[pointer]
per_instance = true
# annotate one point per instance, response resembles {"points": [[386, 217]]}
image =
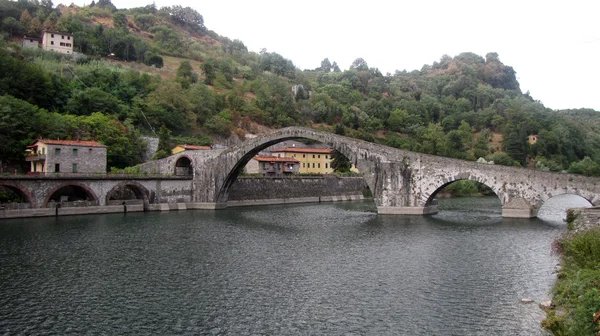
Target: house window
{"points": [[303, 155], [318, 165], [319, 156], [51, 35], [303, 165], [57, 151], [43, 150], [326, 166], [75, 152], [313, 165], [68, 37], [52, 42], [62, 37], [57, 167], [74, 167], [294, 155], [326, 157], [313, 156]]}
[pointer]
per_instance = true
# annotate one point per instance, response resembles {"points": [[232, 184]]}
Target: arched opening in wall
{"points": [[466, 200], [293, 168], [12, 198], [128, 193], [72, 196], [183, 166], [554, 210]]}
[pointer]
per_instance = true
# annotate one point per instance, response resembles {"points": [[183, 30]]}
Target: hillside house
{"points": [[533, 139], [59, 42], [66, 156], [31, 42]]}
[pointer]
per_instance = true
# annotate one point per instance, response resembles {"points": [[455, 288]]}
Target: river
{"points": [[318, 269]]}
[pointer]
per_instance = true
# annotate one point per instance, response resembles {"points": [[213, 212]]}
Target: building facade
{"points": [[272, 166], [312, 160], [66, 156], [31, 42], [181, 148], [59, 42]]}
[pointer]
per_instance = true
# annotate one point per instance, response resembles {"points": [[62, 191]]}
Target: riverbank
{"points": [[576, 293]]}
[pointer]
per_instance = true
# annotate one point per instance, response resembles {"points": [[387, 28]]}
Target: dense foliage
{"points": [[465, 106], [577, 290]]}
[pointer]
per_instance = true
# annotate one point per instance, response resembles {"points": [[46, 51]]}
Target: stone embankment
{"points": [[295, 189], [582, 219]]}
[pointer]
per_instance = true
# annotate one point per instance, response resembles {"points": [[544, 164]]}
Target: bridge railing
{"points": [[50, 176]]}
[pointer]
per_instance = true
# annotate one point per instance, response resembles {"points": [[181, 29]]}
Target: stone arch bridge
{"points": [[402, 182]]}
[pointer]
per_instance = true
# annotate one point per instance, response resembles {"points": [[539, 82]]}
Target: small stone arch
{"points": [[83, 189], [136, 188], [183, 166], [588, 196], [21, 191], [463, 177]]}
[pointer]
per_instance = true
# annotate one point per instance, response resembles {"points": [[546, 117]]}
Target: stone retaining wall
{"points": [[294, 187], [584, 219]]}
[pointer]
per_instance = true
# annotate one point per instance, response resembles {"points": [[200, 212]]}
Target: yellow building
{"points": [[181, 148], [312, 160]]}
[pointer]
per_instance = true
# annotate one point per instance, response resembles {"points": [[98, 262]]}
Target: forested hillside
{"points": [[144, 69]]}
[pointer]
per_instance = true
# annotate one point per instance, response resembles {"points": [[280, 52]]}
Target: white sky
{"points": [[554, 46]]}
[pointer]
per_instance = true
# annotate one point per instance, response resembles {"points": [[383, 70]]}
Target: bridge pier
{"points": [[391, 210], [519, 213]]}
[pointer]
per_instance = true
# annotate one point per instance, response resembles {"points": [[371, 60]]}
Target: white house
{"points": [[59, 42]]}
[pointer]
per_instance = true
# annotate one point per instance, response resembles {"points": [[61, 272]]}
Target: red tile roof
{"points": [[82, 143], [304, 150], [194, 147], [275, 159]]}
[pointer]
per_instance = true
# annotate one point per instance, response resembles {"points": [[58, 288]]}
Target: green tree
{"points": [[18, 121], [210, 73], [325, 65], [185, 74], [340, 163], [12, 25], [164, 143], [88, 101], [587, 167], [515, 143]]}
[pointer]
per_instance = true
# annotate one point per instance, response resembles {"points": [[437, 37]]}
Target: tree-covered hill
{"points": [[143, 68]]}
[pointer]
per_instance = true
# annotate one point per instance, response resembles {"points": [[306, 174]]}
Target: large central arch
{"points": [[232, 162]]}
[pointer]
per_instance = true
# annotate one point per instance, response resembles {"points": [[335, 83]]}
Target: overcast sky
{"points": [[554, 46]]}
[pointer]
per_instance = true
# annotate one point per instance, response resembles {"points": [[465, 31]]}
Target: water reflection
{"points": [[333, 269]]}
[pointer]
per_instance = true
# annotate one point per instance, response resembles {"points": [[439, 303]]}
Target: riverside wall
{"points": [[584, 219], [294, 189]]}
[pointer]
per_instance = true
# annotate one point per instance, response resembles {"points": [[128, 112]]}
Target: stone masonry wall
{"points": [[252, 188], [585, 218]]}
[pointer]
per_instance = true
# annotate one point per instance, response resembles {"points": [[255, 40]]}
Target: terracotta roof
{"points": [[275, 159], [194, 147], [305, 150], [67, 143]]}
